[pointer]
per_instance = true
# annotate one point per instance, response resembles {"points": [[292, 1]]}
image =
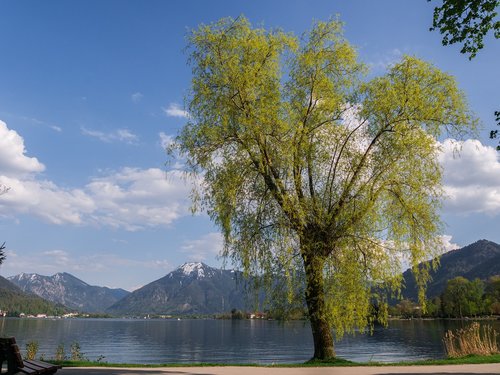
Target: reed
{"points": [[473, 339]]}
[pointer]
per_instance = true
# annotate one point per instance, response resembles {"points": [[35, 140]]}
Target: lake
{"points": [[223, 341]]}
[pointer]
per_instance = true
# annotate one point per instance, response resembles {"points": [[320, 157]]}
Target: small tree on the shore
{"points": [[312, 173]]}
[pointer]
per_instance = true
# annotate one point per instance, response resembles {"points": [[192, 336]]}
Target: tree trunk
{"points": [[315, 298]]}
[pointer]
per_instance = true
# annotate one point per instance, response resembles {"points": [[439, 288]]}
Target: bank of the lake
{"points": [[224, 341]]}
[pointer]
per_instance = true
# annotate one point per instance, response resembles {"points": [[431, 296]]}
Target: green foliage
{"points": [[237, 314], [31, 350], [433, 308], [468, 22], [312, 173], [76, 353], [60, 353], [15, 303], [463, 298]]}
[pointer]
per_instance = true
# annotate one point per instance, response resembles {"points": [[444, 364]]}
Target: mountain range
{"points": [[14, 301], [196, 288], [67, 290], [478, 260], [193, 288]]}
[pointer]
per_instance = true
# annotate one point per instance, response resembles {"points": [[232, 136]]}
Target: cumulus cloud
{"points": [[447, 243], [130, 198], [136, 97], [45, 200], [175, 110], [120, 135], [200, 249], [471, 177], [13, 160], [135, 198]]}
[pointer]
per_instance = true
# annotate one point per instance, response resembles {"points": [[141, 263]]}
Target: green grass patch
{"points": [[336, 362]]}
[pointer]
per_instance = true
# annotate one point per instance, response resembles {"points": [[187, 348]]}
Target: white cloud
{"points": [[87, 267], [382, 62], [131, 198], [447, 243], [200, 249], [56, 128], [13, 160], [136, 198], [471, 177], [174, 110], [166, 140], [121, 135], [45, 200], [136, 97]]}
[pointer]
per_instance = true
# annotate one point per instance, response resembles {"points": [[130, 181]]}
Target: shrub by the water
{"points": [[60, 353], [471, 340], [31, 350]]}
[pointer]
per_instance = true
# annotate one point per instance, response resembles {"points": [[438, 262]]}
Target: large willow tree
{"points": [[311, 172]]}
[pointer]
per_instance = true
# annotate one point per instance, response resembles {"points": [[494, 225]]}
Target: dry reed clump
{"points": [[471, 340]]}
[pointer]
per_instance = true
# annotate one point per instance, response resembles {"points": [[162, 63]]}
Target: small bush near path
{"points": [[31, 350], [471, 340]]}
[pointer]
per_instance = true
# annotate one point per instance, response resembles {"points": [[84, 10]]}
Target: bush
{"points": [[76, 353], [60, 353], [31, 350]]}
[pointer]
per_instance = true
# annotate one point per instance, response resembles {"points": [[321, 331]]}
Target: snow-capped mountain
{"points": [[68, 290], [193, 288]]}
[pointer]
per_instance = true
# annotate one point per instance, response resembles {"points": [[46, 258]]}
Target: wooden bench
{"points": [[9, 352]]}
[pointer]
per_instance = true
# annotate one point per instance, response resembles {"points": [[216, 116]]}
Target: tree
{"points": [[492, 295], [468, 22], [312, 173], [463, 297]]}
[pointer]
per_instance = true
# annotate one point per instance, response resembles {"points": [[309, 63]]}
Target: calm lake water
{"points": [[223, 341]]}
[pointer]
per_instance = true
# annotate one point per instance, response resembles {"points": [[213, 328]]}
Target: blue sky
{"points": [[90, 91]]}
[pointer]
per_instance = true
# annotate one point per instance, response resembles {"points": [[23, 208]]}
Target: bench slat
{"points": [[45, 367], [10, 351]]}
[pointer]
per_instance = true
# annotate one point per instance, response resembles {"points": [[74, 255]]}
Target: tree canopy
{"points": [[467, 22], [463, 297], [310, 171]]}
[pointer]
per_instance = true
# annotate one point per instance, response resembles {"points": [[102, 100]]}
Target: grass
{"points": [[337, 362]]}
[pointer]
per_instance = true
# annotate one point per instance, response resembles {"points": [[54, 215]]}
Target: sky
{"points": [[92, 91]]}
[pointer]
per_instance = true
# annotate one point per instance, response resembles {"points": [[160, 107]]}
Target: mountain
{"points": [[193, 288], [68, 290], [15, 301], [478, 260]]}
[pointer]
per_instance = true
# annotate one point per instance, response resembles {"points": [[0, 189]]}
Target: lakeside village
{"points": [[235, 314]]}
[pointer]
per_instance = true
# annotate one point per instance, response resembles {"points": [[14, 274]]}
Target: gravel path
{"points": [[484, 369]]}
